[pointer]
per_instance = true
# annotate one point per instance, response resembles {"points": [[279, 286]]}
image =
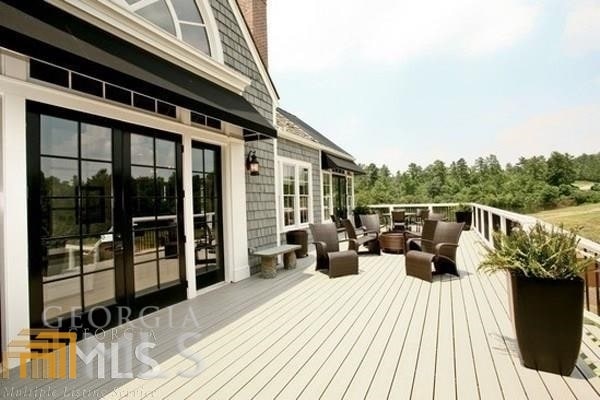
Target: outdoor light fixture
{"points": [[252, 163]]}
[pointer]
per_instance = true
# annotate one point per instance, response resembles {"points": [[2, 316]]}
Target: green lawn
{"points": [[586, 216]]}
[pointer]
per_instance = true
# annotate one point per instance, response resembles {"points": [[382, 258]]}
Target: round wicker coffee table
{"points": [[392, 242]]}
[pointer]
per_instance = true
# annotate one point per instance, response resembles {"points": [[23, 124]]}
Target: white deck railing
{"points": [[486, 221]]}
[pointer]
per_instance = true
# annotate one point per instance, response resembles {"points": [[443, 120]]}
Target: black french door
{"points": [[105, 208], [339, 196], [208, 223]]}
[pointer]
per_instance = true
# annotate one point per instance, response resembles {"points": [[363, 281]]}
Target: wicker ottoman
{"points": [[343, 263]]}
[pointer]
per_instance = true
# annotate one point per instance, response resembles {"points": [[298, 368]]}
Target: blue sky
{"points": [[396, 82]]}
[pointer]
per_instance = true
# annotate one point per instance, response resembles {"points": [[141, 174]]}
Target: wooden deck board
{"points": [[504, 345], [376, 335]]}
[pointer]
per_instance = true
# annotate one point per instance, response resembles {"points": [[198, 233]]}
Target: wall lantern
{"points": [[252, 164]]}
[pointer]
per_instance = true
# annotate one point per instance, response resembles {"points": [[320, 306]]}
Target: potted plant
{"points": [[464, 214], [547, 294]]}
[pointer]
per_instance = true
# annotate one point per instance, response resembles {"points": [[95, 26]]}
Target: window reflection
{"points": [[186, 17]]}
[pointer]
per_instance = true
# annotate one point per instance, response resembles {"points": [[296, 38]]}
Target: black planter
{"points": [[548, 318], [466, 217], [300, 237]]}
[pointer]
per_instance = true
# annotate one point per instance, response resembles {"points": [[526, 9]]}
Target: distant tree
{"points": [[561, 169], [531, 184]]}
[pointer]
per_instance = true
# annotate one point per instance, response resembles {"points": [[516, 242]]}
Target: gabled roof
{"points": [[306, 131]]}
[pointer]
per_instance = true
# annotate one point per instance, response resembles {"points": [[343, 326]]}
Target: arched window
{"points": [[181, 18]]}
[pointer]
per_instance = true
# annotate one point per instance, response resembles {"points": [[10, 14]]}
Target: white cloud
{"points": [[582, 27], [313, 34], [573, 130]]}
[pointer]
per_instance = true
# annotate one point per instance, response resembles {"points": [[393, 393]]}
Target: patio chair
{"points": [[423, 242], [338, 224], [422, 215], [370, 223], [441, 253], [370, 241], [398, 220], [329, 256]]}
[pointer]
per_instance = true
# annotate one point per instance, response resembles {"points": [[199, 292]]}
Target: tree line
{"points": [[530, 185]]}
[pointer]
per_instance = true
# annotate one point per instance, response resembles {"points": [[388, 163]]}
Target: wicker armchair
{"points": [[441, 251], [398, 220], [329, 255], [370, 223], [423, 242], [370, 241]]}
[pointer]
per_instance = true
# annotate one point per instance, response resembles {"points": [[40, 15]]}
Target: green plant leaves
{"points": [[548, 253]]}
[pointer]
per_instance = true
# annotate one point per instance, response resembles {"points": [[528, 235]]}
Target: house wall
{"points": [[237, 55], [260, 200], [260, 190]]}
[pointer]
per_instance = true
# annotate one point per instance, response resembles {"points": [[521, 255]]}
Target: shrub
{"points": [[538, 253]]}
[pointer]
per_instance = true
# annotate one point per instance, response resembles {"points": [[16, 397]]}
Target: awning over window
{"points": [[67, 41], [329, 161]]}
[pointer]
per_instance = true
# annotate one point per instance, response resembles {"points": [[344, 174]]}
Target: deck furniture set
{"points": [[429, 253]]}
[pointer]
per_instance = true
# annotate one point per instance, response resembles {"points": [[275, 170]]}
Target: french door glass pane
{"points": [[145, 245], [99, 288], [60, 176], [62, 258], [143, 181], [96, 215], [96, 178], [146, 277], [166, 181], [165, 153], [96, 142], [142, 150], [59, 217], [61, 297], [59, 137]]}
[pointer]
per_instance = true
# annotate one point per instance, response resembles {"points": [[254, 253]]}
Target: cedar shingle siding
{"points": [[260, 200], [260, 190], [237, 56]]}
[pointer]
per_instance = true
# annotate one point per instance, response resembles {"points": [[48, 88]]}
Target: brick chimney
{"points": [[255, 13]]}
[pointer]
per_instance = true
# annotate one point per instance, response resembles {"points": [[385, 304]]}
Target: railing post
{"points": [[503, 224], [491, 228]]}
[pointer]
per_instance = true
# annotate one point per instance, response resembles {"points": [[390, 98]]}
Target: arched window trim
{"points": [[209, 24], [135, 29]]}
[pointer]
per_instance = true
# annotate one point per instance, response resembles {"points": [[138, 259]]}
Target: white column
{"points": [[277, 203], [14, 285], [188, 212], [238, 237]]}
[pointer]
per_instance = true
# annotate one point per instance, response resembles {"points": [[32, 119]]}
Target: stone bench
{"points": [[269, 258]]}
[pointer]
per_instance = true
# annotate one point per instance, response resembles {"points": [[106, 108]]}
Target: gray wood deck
{"points": [[377, 335]]}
